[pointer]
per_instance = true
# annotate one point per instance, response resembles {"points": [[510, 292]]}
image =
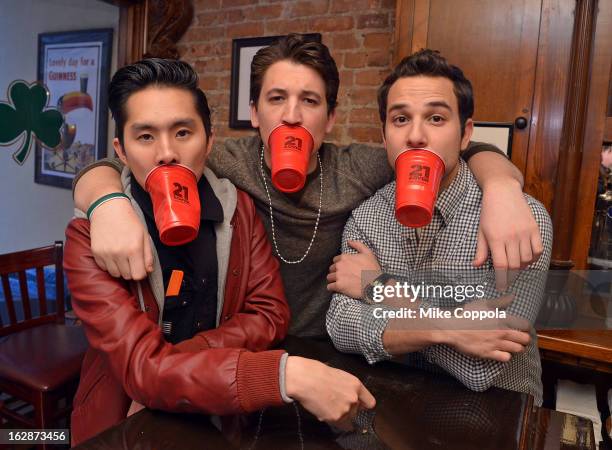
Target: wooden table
{"points": [[591, 349], [581, 355], [415, 410]]}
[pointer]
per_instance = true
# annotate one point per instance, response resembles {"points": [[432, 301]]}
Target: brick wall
{"points": [[359, 34]]}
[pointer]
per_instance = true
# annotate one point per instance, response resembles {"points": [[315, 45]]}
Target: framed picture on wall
{"points": [[75, 67], [243, 51], [498, 134]]}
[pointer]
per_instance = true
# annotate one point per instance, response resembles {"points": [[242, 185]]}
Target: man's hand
{"points": [[331, 395], [496, 339], [349, 273], [508, 230], [119, 241], [497, 345]]}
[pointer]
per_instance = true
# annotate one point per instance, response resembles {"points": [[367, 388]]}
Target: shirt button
{"points": [[198, 325], [228, 317], [236, 272], [147, 308]]}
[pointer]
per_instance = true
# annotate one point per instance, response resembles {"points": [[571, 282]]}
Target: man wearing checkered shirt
{"points": [[428, 103]]}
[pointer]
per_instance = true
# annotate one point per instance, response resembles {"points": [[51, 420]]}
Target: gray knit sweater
{"points": [[350, 175]]}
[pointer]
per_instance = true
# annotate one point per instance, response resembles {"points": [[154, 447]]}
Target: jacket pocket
{"points": [[84, 391]]}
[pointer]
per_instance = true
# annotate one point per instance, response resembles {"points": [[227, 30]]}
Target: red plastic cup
{"points": [[176, 203], [418, 174], [291, 147]]}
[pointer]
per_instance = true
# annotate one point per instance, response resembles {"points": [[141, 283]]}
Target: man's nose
{"points": [[292, 113], [417, 137], [166, 153]]}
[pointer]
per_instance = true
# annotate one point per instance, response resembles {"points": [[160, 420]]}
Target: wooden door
{"points": [[495, 43], [547, 61], [501, 45]]}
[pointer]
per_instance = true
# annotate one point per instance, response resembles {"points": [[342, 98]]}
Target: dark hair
{"points": [[154, 72], [296, 48], [430, 63]]}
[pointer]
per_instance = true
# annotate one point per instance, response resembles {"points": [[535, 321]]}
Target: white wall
{"points": [[32, 214]]}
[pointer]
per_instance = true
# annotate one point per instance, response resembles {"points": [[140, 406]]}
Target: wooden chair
{"points": [[40, 357]]}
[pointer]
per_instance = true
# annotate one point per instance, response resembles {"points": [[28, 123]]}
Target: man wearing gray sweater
{"points": [[295, 82]]}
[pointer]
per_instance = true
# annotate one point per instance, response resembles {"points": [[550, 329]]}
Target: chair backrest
{"points": [[18, 262]]}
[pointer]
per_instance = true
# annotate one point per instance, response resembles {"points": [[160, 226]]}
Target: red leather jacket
{"points": [[219, 371]]}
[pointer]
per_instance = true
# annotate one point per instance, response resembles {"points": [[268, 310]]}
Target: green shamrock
{"points": [[24, 114]]}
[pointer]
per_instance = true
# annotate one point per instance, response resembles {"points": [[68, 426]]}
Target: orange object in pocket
{"points": [[174, 285]]}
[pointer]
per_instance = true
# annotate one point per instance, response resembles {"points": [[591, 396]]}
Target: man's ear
{"points": [[467, 134], [120, 151], [331, 120], [209, 144], [254, 118]]}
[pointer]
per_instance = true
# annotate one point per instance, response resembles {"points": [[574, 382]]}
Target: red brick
{"points": [[235, 15], [215, 98], [204, 34], [378, 59], [280, 27], [222, 109], [219, 48], [253, 29], [388, 5], [341, 116], [195, 34], [213, 65], [264, 12], [343, 93], [371, 77], [308, 8], [201, 5], [346, 78], [338, 23], [355, 60], [364, 115], [211, 18], [373, 21], [224, 83], [209, 83], [343, 6], [335, 134], [366, 134], [344, 41], [363, 96], [379, 41], [234, 3]]}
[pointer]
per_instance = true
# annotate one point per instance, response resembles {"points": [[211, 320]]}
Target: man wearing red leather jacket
{"points": [[204, 346]]}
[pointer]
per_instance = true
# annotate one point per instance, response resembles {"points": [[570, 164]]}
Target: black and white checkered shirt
{"points": [[446, 246]]}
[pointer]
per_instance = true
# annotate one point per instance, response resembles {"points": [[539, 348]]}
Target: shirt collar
{"points": [[211, 209], [450, 199]]}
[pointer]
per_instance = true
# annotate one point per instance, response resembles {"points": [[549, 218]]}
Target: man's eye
{"points": [[437, 119], [145, 137], [399, 120], [276, 99], [183, 133], [311, 101]]}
